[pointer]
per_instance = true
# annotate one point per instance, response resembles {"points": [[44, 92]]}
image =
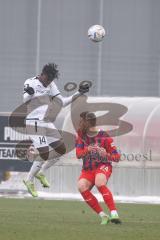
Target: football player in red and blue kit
{"points": [[96, 149]]}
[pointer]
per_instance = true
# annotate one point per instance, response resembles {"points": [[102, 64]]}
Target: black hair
{"points": [[51, 71]]}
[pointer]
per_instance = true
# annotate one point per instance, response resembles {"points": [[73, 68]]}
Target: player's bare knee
{"points": [[99, 183], [44, 156], [100, 180], [44, 153], [82, 186], [61, 149]]}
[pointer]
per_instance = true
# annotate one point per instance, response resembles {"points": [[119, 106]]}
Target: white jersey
{"points": [[39, 101]]}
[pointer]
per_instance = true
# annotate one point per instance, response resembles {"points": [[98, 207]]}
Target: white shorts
{"points": [[42, 133]]}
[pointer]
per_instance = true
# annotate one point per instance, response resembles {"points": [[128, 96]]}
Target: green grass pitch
{"points": [[34, 219]]}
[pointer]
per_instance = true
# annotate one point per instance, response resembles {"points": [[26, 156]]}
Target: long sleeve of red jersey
{"points": [[112, 153], [81, 149]]}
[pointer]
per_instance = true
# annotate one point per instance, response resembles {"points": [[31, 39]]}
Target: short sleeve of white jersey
{"points": [[54, 91]]}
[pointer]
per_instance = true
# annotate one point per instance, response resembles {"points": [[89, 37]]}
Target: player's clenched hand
{"points": [[101, 151], [91, 148], [84, 88], [29, 90]]}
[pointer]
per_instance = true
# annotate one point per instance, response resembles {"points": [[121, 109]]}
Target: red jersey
{"points": [[91, 160]]}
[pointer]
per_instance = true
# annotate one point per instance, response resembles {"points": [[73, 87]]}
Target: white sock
{"points": [[102, 214], [114, 212], [47, 164], [34, 170]]}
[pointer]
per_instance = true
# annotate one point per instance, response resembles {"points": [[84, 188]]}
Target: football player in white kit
{"points": [[38, 93]]}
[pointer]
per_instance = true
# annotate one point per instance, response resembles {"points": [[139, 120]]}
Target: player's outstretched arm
{"points": [[83, 88], [67, 100]]}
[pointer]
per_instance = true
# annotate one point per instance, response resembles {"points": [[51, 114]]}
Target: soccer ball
{"points": [[96, 33]]}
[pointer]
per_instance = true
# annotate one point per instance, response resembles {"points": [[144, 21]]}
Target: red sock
{"points": [[92, 201], [107, 196]]}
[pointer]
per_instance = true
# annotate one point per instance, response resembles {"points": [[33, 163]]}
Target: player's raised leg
{"points": [[43, 155], [58, 149], [41, 174], [29, 181]]}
